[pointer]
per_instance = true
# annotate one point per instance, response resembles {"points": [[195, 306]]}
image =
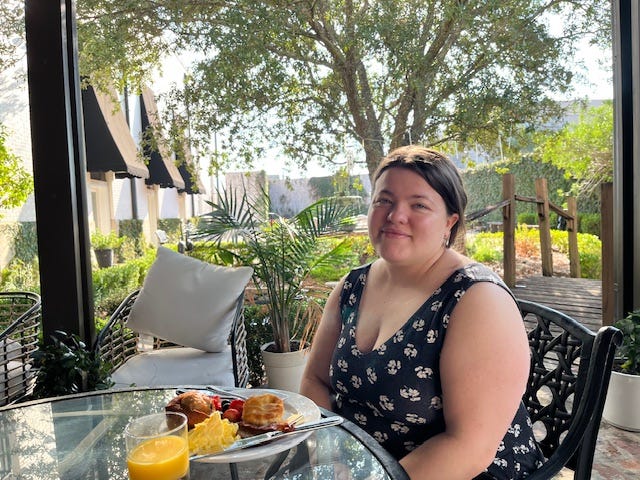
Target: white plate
{"points": [[294, 404]]}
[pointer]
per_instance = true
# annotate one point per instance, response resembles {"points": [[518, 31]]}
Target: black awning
{"points": [[109, 144], [193, 184], [162, 170]]}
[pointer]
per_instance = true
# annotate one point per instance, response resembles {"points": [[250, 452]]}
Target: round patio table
{"points": [[81, 437]]}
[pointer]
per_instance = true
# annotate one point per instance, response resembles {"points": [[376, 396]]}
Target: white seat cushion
{"points": [[10, 349], [176, 366], [16, 372]]}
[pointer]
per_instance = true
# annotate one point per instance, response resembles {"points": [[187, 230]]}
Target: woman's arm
{"points": [[315, 380], [484, 368]]}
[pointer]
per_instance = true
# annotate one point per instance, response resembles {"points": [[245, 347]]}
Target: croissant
{"points": [[195, 405]]}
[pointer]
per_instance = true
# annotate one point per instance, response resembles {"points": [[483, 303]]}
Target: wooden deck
{"points": [[580, 298]]}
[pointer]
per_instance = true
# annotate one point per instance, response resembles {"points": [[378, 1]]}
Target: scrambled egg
{"points": [[212, 435]]}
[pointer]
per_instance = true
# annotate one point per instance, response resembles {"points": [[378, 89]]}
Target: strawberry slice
{"points": [[237, 404], [232, 415]]}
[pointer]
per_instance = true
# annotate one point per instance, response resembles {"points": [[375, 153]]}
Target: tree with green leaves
{"points": [[584, 150], [15, 182], [11, 32], [310, 77]]}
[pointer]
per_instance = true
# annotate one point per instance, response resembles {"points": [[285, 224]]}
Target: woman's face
{"points": [[407, 218]]}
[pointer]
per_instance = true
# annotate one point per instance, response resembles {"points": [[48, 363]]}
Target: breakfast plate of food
{"points": [[245, 424]]}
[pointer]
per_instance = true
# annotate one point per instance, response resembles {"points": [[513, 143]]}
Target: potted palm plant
{"points": [[623, 397], [282, 252]]}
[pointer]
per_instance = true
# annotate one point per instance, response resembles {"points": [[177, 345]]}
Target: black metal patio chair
{"points": [[20, 323], [567, 387], [116, 343]]}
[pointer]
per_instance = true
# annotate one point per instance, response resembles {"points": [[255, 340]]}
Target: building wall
{"points": [[288, 196]]}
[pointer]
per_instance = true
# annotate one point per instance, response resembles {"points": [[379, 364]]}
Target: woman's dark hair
{"points": [[437, 170]]}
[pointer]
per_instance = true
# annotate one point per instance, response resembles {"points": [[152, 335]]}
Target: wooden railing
{"points": [[544, 207]]}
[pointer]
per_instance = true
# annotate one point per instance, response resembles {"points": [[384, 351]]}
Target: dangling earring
{"points": [[445, 239]]}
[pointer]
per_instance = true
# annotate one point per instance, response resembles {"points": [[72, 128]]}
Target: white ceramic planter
{"points": [[622, 407], [284, 370]]}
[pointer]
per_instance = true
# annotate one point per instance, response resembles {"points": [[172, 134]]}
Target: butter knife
{"points": [[269, 436]]}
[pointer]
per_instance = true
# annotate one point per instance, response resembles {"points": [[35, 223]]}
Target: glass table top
{"points": [[80, 437]]}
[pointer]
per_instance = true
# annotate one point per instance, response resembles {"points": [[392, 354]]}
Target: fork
{"points": [[212, 389], [226, 393]]}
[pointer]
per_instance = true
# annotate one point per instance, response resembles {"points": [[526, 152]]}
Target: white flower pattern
{"points": [[393, 366], [402, 374]]}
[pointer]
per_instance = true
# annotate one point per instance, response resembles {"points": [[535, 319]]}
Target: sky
{"points": [[599, 86]]}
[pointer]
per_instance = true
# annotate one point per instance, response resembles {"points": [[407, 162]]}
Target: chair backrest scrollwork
{"points": [[567, 387], [20, 325]]}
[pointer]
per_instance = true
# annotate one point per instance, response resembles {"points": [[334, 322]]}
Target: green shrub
{"points": [[485, 247], [134, 245], [172, 227], [101, 241], [362, 252], [486, 254], [258, 333], [590, 252], [527, 218], [20, 276], [25, 242], [589, 223], [111, 285], [488, 247]]}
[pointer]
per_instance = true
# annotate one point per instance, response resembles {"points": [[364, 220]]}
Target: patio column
{"points": [[59, 168], [626, 182]]}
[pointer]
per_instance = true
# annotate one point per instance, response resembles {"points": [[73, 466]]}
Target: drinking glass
{"points": [[158, 447]]}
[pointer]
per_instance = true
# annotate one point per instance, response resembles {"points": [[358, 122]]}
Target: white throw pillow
{"points": [[188, 302]]}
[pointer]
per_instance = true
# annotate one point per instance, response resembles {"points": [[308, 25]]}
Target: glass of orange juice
{"points": [[157, 447]]}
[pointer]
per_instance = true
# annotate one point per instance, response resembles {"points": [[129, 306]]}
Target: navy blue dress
{"points": [[394, 392]]}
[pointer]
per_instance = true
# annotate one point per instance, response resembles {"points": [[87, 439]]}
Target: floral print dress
{"points": [[394, 391]]}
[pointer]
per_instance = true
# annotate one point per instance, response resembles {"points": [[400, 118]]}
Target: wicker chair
{"points": [[116, 343], [20, 321], [567, 387]]}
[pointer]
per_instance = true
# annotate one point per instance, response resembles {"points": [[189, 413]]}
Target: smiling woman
{"points": [[411, 347]]}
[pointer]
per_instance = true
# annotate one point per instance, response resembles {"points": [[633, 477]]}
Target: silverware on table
{"points": [[269, 436], [210, 389]]}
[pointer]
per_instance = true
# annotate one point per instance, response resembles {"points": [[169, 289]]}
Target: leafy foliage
{"points": [[484, 185], [311, 77], [488, 247], [282, 252], [111, 285], [589, 223], [15, 182], [584, 150], [630, 349], [485, 248], [258, 333], [20, 276], [67, 366], [101, 241], [528, 218], [11, 30], [134, 245]]}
